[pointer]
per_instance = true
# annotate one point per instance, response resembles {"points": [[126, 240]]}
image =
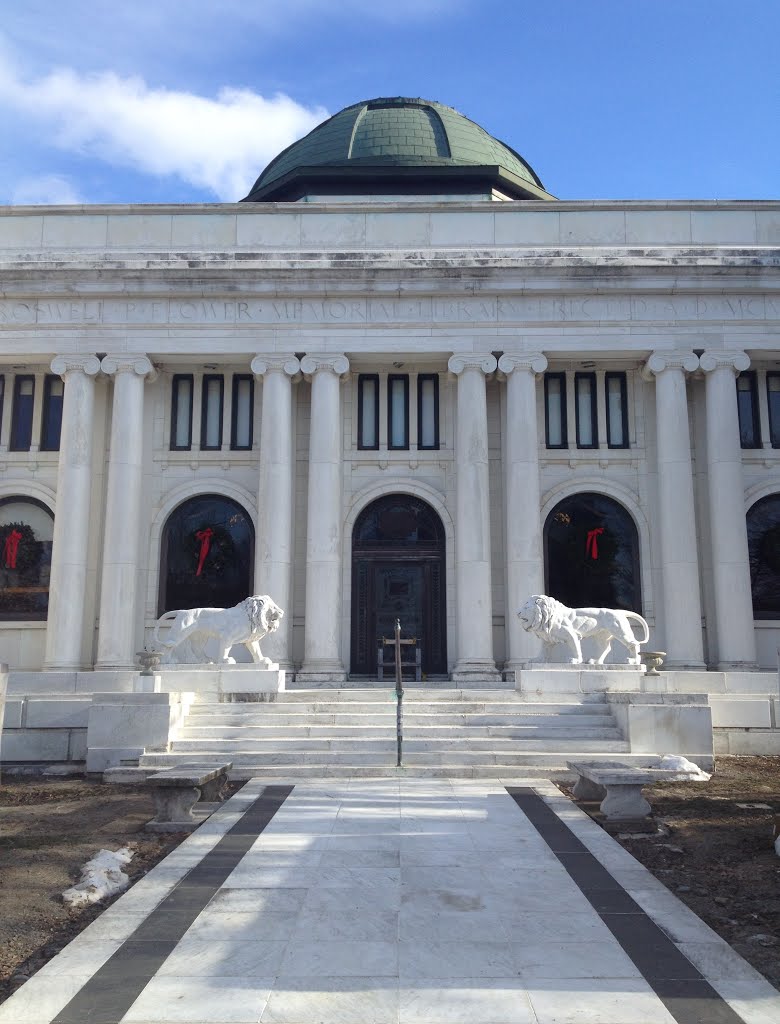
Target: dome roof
{"points": [[396, 145]]}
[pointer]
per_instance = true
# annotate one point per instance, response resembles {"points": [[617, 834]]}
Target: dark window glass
{"points": [[181, 412], [585, 410], [368, 411], [747, 405], [51, 421], [428, 411], [398, 520], [763, 531], [207, 555], [773, 401], [211, 412], [397, 411], [592, 554], [555, 426], [2, 398], [22, 413], [615, 391], [242, 412], [26, 532]]}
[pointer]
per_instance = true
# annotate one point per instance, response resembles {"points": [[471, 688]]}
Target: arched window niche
{"points": [[26, 532], [591, 550], [763, 531], [207, 554]]}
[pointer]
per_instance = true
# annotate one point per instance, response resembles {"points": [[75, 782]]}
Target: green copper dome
{"points": [[397, 145]]}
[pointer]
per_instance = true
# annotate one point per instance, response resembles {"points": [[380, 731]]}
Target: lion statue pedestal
{"points": [[566, 628]]}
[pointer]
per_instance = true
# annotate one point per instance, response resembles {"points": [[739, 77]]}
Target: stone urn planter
{"points": [[653, 661]]}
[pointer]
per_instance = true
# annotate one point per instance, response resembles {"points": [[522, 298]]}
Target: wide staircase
{"points": [[352, 732]]}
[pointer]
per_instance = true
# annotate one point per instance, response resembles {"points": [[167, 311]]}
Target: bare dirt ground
{"points": [[715, 855], [48, 830], [715, 852]]}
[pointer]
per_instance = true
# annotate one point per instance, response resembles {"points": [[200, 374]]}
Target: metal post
{"points": [[399, 691]]}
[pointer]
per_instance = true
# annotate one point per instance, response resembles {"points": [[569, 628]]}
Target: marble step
{"points": [[509, 735], [250, 722], [265, 711]]}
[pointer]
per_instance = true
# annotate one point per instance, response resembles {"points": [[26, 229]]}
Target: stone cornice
{"points": [[64, 364], [337, 364], [472, 361], [276, 363], [532, 362], [736, 361], [138, 364]]}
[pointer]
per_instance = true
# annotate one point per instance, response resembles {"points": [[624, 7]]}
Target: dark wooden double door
{"points": [[402, 580]]}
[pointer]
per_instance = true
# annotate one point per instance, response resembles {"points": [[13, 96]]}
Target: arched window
{"points": [[592, 554], [26, 532], [207, 554], [763, 530]]}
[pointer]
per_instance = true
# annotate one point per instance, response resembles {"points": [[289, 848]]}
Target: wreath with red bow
{"points": [[20, 551]]}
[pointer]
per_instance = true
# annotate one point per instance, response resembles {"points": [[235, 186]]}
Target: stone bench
{"points": [[619, 786], [178, 790]]}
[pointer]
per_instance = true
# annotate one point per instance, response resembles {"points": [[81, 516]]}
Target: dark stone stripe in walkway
{"points": [[688, 997], [113, 989]]}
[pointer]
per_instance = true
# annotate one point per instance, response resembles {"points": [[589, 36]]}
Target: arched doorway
{"points": [[398, 548], [207, 554], [763, 530], [591, 551]]}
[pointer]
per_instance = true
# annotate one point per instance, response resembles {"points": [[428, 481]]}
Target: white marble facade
{"points": [[681, 297]]}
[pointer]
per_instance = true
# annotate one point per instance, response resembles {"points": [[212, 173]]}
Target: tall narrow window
{"points": [[241, 412], [181, 412], [747, 405], [585, 410], [22, 413], [555, 410], [397, 411], [617, 410], [773, 401], [368, 411], [211, 412], [51, 421], [428, 411], [2, 398]]}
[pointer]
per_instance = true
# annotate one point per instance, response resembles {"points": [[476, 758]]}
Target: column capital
{"points": [[277, 362], [675, 360], [472, 361], [337, 364], [138, 364], [737, 362], [531, 362], [61, 365]]}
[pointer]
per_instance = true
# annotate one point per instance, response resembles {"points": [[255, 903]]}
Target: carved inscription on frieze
{"points": [[483, 310]]}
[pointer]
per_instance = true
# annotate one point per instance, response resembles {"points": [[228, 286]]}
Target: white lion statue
{"points": [[196, 634], [554, 623]]}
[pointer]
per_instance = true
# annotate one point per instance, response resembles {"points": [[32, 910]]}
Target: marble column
{"points": [[735, 639], [474, 599], [680, 593], [523, 526], [68, 581], [274, 538], [324, 611], [122, 537]]}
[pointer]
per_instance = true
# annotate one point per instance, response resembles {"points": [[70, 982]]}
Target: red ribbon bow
{"points": [[11, 549], [204, 536], [592, 542]]}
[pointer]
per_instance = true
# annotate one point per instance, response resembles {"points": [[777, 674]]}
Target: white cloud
{"points": [[45, 189], [219, 144]]}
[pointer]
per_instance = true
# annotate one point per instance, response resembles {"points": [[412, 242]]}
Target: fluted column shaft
{"points": [[274, 540], [524, 553], [679, 551], [68, 581], [122, 538], [322, 660], [736, 642], [474, 604]]}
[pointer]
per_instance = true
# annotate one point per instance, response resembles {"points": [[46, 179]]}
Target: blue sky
{"points": [[187, 100]]}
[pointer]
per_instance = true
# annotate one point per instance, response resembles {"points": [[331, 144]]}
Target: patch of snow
{"points": [[677, 763], [100, 877]]}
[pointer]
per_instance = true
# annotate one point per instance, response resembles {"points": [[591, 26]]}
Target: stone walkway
{"points": [[413, 901]]}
